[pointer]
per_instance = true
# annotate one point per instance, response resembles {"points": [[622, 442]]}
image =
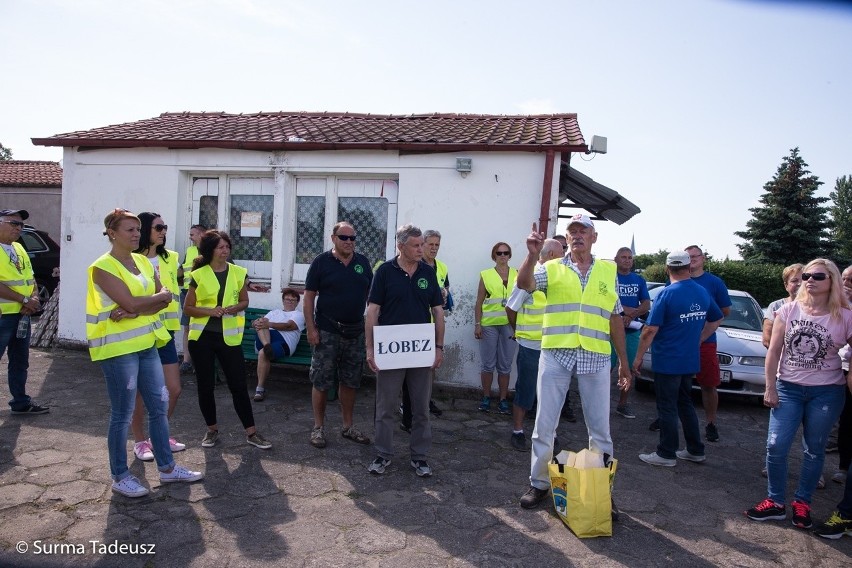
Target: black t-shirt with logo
{"points": [[341, 289], [404, 299]]}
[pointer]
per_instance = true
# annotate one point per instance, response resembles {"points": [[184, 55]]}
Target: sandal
{"points": [[352, 434]]}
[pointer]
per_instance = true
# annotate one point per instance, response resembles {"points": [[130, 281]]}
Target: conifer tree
{"points": [[791, 225], [841, 220]]}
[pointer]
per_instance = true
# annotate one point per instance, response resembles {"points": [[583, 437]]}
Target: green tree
{"points": [[5, 153], [643, 261], [841, 219], [792, 224]]}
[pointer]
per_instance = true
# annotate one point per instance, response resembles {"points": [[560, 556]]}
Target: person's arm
{"points": [[616, 333], [308, 301], [767, 332], [119, 293], [32, 305], [709, 329], [438, 317], [370, 321], [649, 332], [773, 357], [477, 309], [535, 242]]}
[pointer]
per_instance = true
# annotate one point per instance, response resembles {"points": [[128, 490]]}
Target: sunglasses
{"points": [[502, 253], [161, 228], [818, 276], [346, 237], [14, 223]]}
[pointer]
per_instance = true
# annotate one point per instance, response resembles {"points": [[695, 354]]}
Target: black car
{"points": [[44, 255]]}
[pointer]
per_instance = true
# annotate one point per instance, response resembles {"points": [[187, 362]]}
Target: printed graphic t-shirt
{"points": [[811, 344]]}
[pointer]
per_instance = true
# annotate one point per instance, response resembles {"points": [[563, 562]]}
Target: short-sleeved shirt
{"points": [[632, 291], [774, 307], [341, 289], [290, 336], [680, 312], [405, 299], [718, 292], [810, 355]]}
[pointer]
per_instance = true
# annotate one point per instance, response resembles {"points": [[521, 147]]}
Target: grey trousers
{"points": [[388, 387]]}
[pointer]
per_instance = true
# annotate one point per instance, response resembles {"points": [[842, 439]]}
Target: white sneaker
{"points": [[180, 474], [685, 455], [654, 459], [129, 487], [143, 451], [176, 446]]}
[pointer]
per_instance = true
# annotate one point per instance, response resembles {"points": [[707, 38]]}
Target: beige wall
{"points": [[42, 203]]}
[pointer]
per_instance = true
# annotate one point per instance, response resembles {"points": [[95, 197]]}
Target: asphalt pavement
{"points": [[296, 505]]}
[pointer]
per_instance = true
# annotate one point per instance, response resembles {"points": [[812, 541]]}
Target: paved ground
{"points": [[299, 506]]}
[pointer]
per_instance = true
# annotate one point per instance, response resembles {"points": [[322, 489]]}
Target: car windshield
{"points": [[745, 314]]}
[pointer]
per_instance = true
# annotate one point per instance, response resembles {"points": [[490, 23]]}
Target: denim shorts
{"points": [[527, 363], [168, 352]]}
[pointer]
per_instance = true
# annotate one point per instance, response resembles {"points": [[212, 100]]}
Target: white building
{"points": [[279, 181]]}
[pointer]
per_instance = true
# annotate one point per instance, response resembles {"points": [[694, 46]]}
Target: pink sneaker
{"points": [[176, 446], [143, 451]]}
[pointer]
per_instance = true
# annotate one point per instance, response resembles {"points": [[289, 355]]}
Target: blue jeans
{"points": [[527, 363], [18, 350], [674, 401], [816, 408], [124, 374], [552, 386]]}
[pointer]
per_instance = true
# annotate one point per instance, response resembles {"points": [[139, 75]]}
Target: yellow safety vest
{"points": [[494, 306], [19, 277], [206, 296], [441, 272], [168, 278], [189, 257], [576, 316], [531, 318], [108, 338]]}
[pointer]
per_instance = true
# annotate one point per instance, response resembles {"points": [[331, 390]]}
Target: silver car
{"points": [[739, 347]]}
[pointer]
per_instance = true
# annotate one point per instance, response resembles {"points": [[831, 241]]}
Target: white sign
{"points": [[250, 222], [404, 346]]}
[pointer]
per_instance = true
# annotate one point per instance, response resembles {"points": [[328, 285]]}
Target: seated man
{"points": [[278, 334]]}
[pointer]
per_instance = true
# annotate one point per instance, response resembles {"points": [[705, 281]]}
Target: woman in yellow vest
{"points": [[492, 329], [152, 245], [216, 303], [189, 256], [123, 331]]}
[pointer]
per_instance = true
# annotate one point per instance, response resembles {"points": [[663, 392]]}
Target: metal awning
{"points": [[577, 190]]}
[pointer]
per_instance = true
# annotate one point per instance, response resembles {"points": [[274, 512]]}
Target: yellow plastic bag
{"points": [[582, 492]]}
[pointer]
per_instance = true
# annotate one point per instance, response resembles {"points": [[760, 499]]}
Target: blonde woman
{"points": [[123, 331], [804, 387]]}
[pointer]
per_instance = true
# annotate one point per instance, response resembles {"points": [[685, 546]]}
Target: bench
{"points": [[300, 358]]}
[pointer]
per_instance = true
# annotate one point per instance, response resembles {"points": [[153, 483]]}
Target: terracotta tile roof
{"points": [[340, 131], [25, 173]]}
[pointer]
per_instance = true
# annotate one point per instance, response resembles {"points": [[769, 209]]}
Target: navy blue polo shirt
{"points": [[405, 299], [341, 289]]}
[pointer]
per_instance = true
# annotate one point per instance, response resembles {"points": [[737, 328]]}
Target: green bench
{"points": [[300, 358]]}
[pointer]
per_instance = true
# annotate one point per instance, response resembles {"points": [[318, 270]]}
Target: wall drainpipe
{"points": [[544, 217]]}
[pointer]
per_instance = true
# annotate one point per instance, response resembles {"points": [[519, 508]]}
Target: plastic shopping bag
{"points": [[582, 488]]}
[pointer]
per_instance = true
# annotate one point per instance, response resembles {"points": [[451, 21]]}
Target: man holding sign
{"points": [[404, 293]]}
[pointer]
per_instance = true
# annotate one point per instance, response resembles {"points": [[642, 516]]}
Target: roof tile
{"points": [[27, 173], [311, 131]]}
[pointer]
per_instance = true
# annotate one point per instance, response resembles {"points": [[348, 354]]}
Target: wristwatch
{"points": [[26, 300]]}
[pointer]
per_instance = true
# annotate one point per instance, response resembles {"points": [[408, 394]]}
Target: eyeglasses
{"points": [[346, 237], [502, 253], [291, 299], [695, 256], [818, 276], [161, 228], [14, 223]]}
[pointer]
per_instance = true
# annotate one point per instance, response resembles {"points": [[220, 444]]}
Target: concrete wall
{"points": [[42, 203], [497, 201]]}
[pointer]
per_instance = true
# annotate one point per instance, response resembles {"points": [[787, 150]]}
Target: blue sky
{"points": [[700, 100]]}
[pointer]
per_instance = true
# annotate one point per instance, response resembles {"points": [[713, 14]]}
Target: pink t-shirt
{"points": [[811, 343]]}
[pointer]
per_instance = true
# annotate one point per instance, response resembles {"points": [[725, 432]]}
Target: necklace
{"points": [[127, 263]]}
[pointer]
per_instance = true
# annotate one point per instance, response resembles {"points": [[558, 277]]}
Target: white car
{"points": [[739, 347]]}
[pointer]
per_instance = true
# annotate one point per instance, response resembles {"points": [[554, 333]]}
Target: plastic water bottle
{"points": [[23, 327]]}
